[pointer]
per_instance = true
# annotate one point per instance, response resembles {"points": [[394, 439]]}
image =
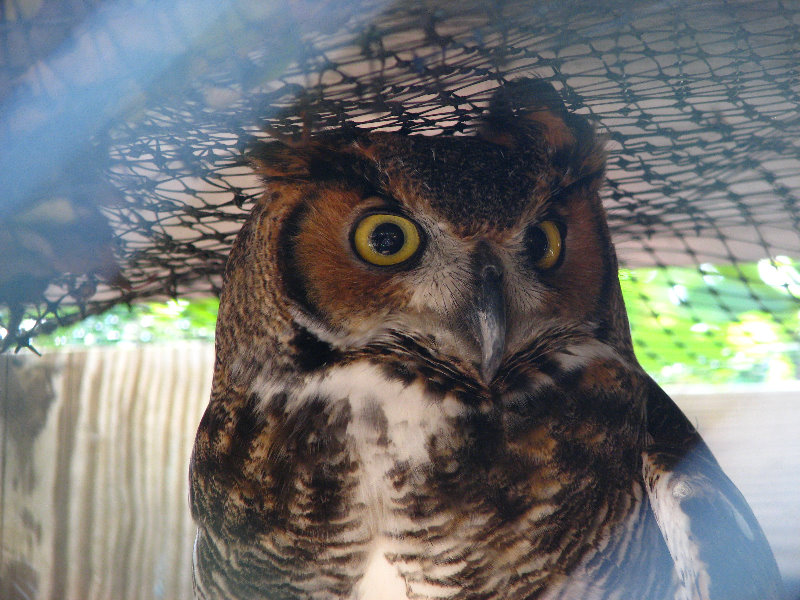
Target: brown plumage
{"points": [[425, 386]]}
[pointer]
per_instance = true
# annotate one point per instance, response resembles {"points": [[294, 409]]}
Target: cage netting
{"points": [[124, 125]]}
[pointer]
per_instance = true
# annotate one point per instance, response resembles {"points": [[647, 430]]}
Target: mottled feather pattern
{"points": [[467, 423], [510, 491]]}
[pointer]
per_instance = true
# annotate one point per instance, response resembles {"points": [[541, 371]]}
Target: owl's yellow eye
{"points": [[386, 239], [544, 244]]}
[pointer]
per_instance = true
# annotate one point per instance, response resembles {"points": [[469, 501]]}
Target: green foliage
{"points": [[706, 324], [716, 324], [140, 323]]}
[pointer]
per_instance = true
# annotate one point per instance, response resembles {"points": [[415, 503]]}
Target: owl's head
{"points": [[480, 246]]}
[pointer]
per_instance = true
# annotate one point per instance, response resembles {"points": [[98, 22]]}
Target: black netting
{"points": [[133, 117]]}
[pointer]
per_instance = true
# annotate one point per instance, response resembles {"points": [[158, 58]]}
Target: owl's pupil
{"points": [[536, 243], [387, 239]]}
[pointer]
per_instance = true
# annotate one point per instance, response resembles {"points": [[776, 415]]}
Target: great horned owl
{"points": [[425, 386]]}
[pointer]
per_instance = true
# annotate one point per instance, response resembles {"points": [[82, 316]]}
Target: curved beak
{"points": [[489, 320]]}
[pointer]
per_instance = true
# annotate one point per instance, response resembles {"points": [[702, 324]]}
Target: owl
{"points": [[425, 386]]}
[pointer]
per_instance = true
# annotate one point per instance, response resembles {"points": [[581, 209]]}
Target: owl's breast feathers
{"points": [[531, 490], [468, 492]]}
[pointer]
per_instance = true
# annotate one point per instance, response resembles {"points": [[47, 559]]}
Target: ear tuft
{"points": [[281, 160], [538, 104], [530, 111], [315, 158], [329, 158]]}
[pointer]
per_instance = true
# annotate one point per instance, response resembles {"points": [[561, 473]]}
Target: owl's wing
{"points": [[713, 537]]}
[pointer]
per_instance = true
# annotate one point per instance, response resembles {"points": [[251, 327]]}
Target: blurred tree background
{"points": [[698, 324]]}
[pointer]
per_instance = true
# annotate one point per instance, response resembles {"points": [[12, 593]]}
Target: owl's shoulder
{"points": [[715, 541]]}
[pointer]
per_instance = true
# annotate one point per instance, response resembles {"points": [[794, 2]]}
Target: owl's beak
{"points": [[489, 322]]}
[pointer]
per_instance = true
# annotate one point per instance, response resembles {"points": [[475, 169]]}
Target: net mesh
{"points": [[132, 118]]}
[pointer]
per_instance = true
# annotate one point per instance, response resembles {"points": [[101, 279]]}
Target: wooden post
{"points": [[93, 458]]}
